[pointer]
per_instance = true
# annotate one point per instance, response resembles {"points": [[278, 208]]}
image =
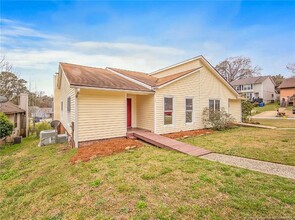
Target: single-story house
{"points": [[259, 87], [287, 90], [17, 117], [95, 103]]}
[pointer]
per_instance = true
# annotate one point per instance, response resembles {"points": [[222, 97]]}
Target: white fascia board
{"points": [[63, 73], [174, 65], [116, 90], [168, 83], [219, 76], [129, 78]]}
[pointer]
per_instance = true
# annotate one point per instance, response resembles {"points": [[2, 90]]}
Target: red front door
{"points": [[129, 121]]}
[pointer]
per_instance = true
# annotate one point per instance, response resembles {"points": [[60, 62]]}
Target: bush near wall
{"points": [[246, 110], [217, 120], [6, 127], [41, 126]]}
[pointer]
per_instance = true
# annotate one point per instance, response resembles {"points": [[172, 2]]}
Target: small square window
{"points": [[69, 104], [188, 110], [168, 111]]}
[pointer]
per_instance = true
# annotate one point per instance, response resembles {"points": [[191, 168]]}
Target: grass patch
{"points": [[279, 123], [147, 183], [96, 183], [262, 144], [267, 107]]}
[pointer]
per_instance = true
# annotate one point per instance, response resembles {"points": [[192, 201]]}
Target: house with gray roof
{"points": [[260, 87]]}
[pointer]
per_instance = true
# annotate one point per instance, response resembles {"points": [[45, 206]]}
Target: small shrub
{"points": [[41, 126], [246, 110], [96, 183], [6, 127], [217, 120], [141, 205], [148, 176], [255, 104]]}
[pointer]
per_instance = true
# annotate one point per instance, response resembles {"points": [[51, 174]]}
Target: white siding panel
{"points": [[202, 86], [235, 109], [187, 66], [101, 115], [145, 111], [65, 92]]}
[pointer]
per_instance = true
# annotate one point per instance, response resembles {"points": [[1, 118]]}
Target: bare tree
{"points": [[240, 67], [278, 79], [5, 66], [291, 67]]}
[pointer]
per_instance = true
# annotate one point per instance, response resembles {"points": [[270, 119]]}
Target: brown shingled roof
{"points": [[97, 77], [288, 83], [151, 80], [249, 80], [139, 76], [10, 108]]}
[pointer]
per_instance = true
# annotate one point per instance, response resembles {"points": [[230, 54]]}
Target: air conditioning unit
{"points": [[62, 138], [47, 137]]}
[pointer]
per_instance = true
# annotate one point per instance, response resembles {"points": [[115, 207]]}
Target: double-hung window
{"points": [[214, 106], [188, 110], [168, 110], [69, 109]]}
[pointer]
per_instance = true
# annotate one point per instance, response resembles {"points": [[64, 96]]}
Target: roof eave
{"points": [[111, 89]]}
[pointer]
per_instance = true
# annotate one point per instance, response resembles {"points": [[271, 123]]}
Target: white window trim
{"points": [[214, 102], [61, 110], [173, 110], [193, 111], [68, 113]]}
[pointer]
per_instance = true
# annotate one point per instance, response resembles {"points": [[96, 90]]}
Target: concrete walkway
{"points": [[255, 125], [256, 165]]}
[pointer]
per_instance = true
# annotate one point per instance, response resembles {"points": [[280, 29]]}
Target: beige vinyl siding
{"points": [[11, 117], [202, 86], [235, 109], [187, 66], [133, 110], [145, 112], [101, 114], [179, 90], [56, 105], [65, 92]]}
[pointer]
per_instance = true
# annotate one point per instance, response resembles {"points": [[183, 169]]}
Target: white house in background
{"points": [[262, 87]]}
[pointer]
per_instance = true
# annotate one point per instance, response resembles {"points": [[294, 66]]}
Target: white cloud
{"points": [[37, 60]]}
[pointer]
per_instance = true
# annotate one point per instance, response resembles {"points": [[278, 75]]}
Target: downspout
{"points": [[76, 119]]}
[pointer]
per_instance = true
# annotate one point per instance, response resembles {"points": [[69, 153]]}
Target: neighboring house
{"points": [[287, 90], [260, 87], [42, 113], [95, 103], [17, 116]]}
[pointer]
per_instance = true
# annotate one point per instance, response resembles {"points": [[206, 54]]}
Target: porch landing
{"points": [[167, 143]]}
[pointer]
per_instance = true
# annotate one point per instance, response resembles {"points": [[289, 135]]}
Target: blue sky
{"points": [[143, 35]]}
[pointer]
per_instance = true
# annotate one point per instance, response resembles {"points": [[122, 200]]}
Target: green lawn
{"points": [[268, 107], [262, 144], [145, 183], [279, 123]]}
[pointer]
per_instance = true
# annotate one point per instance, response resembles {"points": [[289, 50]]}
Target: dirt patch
{"points": [[104, 148], [183, 134]]}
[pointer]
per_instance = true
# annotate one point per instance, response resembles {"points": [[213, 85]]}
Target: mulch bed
{"points": [[183, 134], [103, 148]]}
